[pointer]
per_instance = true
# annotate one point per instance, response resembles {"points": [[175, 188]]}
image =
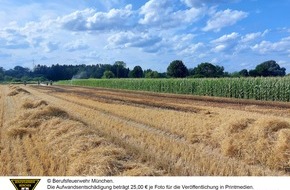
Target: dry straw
{"points": [[45, 140]]}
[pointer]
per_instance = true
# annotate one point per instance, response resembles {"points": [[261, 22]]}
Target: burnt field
{"points": [[62, 130]]}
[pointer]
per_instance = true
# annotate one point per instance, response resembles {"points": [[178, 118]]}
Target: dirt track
{"points": [[173, 101], [158, 134]]}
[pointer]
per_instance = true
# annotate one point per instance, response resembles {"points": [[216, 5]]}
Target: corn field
{"points": [[269, 89]]}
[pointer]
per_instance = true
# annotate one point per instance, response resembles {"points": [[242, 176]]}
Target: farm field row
{"points": [[259, 88], [63, 130]]}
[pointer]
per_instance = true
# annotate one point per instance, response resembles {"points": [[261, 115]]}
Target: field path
{"points": [[1, 114], [146, 127], [2, 98], [8, 111], [186, 103]]}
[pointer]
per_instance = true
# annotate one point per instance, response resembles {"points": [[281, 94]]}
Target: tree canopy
{"points": [[137, 72], [119, 69], [208, 70], [151, 74], [1, 74], [244, 73], [177, 69], [270, 68], [108, 75]]}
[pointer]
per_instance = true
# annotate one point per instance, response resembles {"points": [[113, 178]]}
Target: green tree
{"points": [[151, 74], [270, 68], [244, 73], [119, 69], [208, 70], [177, 69], [253, 73], [1, 74], [1, 77], [18, 72], [137, 72], [219, 71], [8, 78], [108, 75]]}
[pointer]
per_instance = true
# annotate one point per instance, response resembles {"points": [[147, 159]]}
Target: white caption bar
{"points": [[153, 183]]}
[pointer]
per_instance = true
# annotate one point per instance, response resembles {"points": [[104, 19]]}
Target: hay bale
{"points": [[15, 91], [31, 105]]}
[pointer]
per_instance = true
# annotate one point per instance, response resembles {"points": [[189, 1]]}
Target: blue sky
{"points": [[236, 34]]}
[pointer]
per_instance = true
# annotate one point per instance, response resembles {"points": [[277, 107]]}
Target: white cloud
{"points": [[89, 19], [181, 42], [76, 46], [225, 43], [77, 20], [198, 3], [280, 47], [244, 43], [156, 12], [224, 18], [253, 36], [11, 38], [193, 49], [38, 32], [226, 38], [161, 13], [219, 48], [189, 15], [23, 12], [115, 18], [129, 39], [236, 43], [50, 46], [31, 35]]}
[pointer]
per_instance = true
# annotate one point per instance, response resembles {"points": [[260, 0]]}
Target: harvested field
{"points": [[59, 130]]}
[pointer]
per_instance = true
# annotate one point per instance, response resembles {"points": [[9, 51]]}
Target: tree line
{"points": [[176, 69]]}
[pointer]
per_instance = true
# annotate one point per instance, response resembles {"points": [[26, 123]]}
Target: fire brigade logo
{"points": [[25, 184]]}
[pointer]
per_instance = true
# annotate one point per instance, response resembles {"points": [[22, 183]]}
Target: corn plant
{"points": [[268, 89]]}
